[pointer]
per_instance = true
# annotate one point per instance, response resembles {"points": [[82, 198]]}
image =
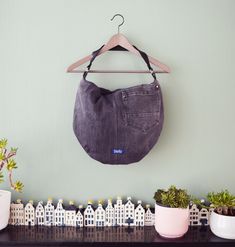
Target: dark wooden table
{"points": [[108, 236]]}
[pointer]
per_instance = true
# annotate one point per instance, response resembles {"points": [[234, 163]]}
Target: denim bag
{"points": [[120, 126]]}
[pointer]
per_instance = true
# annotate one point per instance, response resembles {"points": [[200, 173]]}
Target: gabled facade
{"points": [[79, 217], [139, 215], [49, 213], [194, 215], [16, 213], [70, 214], [29, 214], [210, 211], [100, 216], [40, 214], [149, 217], [119, 212], [129, 213], [109, 214], [204, 217], [59, 214], [89, 215]]}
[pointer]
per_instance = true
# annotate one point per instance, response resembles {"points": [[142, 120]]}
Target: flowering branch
{"points": [[9, 163]]}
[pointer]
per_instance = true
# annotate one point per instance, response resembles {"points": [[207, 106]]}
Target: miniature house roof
{"points": [[71, 208], [18, 201]]}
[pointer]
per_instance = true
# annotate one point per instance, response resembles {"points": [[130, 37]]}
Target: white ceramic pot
{"points": [[5, 201], [171, 222], [222, 226]]}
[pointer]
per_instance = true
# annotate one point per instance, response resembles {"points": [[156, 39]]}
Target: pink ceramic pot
{"points": [[5, 200], [171, 222]]}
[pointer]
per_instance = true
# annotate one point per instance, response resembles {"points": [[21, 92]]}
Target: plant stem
{"points": [[10, 179]]}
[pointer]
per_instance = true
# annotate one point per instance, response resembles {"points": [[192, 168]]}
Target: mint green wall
{"points": [[39, 39]]}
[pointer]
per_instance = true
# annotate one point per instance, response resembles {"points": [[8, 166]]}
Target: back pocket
{"points": [[143, 121]]}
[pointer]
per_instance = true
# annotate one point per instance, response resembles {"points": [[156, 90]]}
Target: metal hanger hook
{"points": [[123, 20]]}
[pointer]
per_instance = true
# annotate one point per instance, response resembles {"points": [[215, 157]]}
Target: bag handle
{"points": [[143, 55]]}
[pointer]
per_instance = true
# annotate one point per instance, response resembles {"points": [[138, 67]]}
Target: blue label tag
{"points": [[117, 151]]}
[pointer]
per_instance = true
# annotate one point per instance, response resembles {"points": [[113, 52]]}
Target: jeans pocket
{"points": [[143, 121]]}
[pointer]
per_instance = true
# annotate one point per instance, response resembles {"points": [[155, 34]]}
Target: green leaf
{"points": [[18, 186], [14, 150], [3, 143], [1, 177], [11, 164], [2, 156]]}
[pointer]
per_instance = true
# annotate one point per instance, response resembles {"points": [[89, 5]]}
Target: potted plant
{"points": [[222, 219], [171, 212], [8, 164]]}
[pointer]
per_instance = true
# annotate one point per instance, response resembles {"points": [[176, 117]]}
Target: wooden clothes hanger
{"points": [[118, 42]]}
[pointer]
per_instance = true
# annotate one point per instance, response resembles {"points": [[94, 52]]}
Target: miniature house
{"points": [[79, 216], [59, 214], [49, 213], [204, 217], [109, 214], [211, 209], [100, 216], [194, 215], [119, 212], [17, 213], [29, 214], [139, 215], [89, 215], [129, 213], [149, 216], [70, 214], [40, 214]]}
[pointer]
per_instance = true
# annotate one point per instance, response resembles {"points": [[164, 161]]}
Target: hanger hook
{"points": [[123, 20]]}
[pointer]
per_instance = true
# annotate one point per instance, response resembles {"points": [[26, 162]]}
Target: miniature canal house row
{"points": [[79, 217], [109, 214], [194, 215], [119, 212], [17, 213], [89, 215], [29, 214], [149, 216], [139, 214], [129, 213], [70, 214], [40, 214], [100, 215], [49, 213], [59, 214]]}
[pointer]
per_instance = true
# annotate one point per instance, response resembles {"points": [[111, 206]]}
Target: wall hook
{"points": [[123, 20]]}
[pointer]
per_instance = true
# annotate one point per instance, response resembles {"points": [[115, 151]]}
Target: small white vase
{"points": [[5, 201], [222, 225]]}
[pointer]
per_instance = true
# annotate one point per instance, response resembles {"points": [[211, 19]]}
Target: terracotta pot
{"points": [[5, 200], [222, 226], [171, 222]]}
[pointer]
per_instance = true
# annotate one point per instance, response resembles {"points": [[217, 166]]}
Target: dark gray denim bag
{"points": [[120, 126]]}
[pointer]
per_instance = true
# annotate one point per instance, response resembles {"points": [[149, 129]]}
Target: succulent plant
{"points": [[173, 197], [7, 162], [223, 202]]}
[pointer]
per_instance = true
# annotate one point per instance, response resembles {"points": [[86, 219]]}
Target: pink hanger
{"points": [[118, 42]]}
